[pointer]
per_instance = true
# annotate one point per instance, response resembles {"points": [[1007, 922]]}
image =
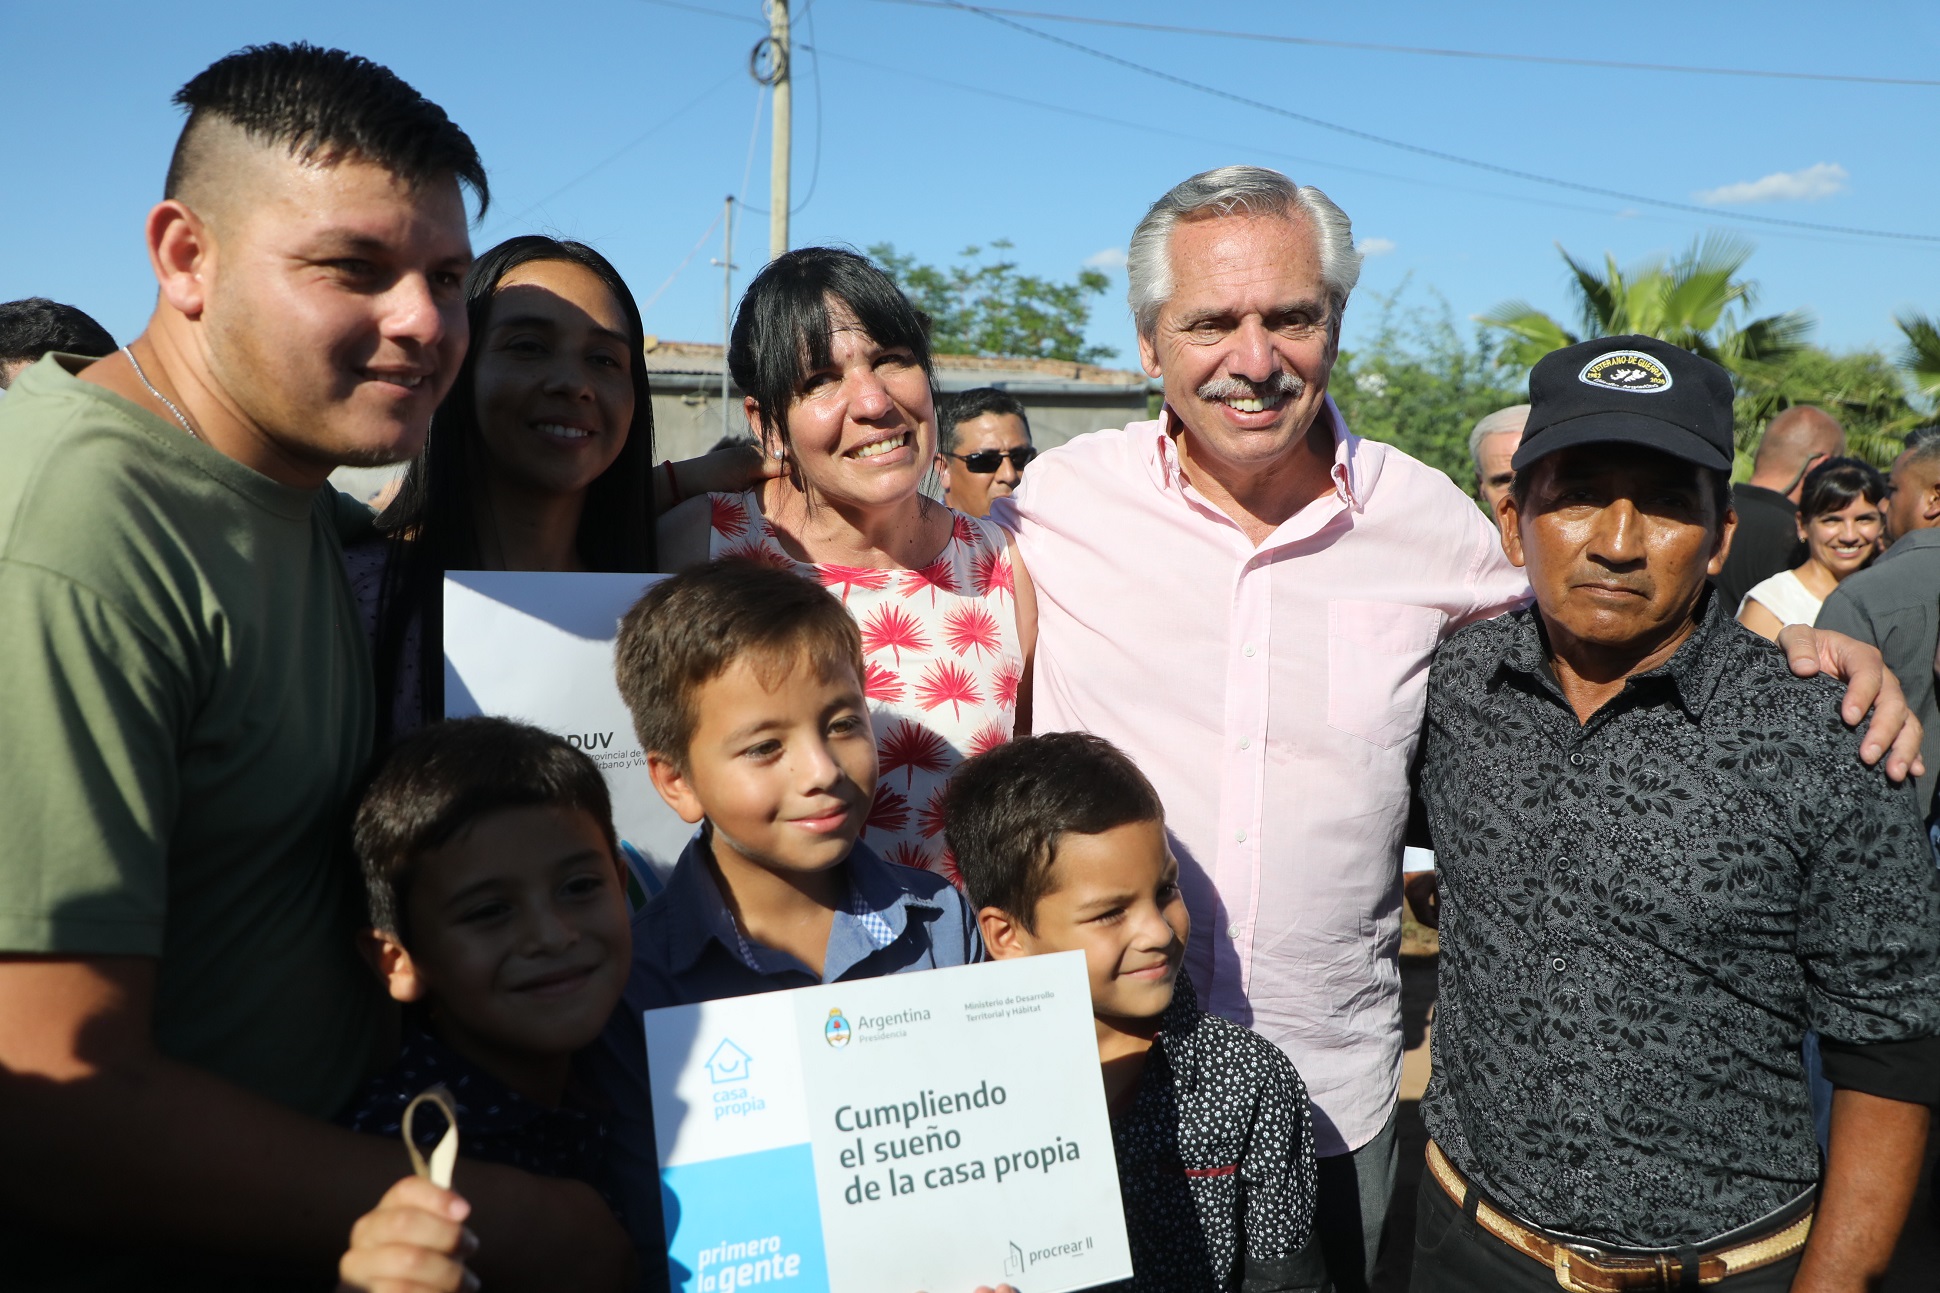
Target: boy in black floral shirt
{"points": [[1061, 842]]}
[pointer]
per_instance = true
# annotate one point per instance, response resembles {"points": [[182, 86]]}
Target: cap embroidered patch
{"points": [[1626, 370]]}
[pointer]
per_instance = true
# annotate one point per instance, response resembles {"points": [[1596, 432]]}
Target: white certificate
{"points": [[930, 1131], [538, 646]]}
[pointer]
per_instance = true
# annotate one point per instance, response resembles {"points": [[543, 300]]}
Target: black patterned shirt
{"points": [[1640, 918], [1216, 1160], [495, 1123]]}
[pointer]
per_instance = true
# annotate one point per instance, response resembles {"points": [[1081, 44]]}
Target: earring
{"points": [[777, 453]]}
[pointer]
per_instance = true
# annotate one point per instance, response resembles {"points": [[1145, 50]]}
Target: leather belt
{"points": [[1581, 1271]]}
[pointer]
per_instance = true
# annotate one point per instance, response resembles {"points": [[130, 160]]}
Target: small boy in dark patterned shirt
{"points": [[1062, 846], [498, 916]]}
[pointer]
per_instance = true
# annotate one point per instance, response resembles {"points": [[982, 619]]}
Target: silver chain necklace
{"points": [[169, 403]]}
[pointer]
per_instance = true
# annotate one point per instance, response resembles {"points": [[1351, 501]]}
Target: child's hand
{"points": [[413, 1241]]}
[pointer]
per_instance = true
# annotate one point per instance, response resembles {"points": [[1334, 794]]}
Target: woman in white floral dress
{"points": [[836, 365]]}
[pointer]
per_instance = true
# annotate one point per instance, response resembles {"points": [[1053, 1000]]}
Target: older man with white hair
{"points": [[1490, 447], [1245, 596]]}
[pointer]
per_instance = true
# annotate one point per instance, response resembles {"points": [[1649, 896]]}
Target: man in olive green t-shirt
{"points": [[175, 793], [187, 704]]}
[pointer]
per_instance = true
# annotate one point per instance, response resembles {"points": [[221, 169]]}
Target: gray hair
{"points": [[1920, 450], [1502, 421], [1922, 436], [1253, 190]]}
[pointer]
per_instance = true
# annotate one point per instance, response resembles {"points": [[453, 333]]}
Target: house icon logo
{"points": [[836, 1031], [728, 1063], [1014, 1261]]}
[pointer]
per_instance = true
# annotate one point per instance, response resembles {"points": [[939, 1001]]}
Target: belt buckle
{"points": [[1560, 1261]]}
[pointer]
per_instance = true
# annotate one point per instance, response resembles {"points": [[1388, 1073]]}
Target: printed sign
{"points": [[538, 646], [933, 1131]]}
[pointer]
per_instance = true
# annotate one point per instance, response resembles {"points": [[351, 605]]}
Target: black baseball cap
{"points": [[1629, 390]]}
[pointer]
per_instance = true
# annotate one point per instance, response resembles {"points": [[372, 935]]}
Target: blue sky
{"points": [[625, 122]]}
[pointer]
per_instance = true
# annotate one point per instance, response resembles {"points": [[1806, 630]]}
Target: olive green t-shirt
{"points": [[184, 708]]}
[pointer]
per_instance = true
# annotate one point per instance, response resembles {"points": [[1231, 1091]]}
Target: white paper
{"points": [[813, 1140], [538, 646]]}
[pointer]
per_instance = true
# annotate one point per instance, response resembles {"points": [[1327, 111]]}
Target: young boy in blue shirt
{"points": [[745, 683], [1062, 845], [746, 687]]}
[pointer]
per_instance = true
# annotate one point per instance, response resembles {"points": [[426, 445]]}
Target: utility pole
{"points": [[780, 57], [726, 262]]}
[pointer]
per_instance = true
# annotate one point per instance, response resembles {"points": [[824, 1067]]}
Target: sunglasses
{"points": [[984, 461]]}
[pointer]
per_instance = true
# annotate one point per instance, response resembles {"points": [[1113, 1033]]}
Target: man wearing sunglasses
{"points": [[983, 446]]}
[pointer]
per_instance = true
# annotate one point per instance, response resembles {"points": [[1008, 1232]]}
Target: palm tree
{"points": [[1921, 357], [1696, 300], [1863, 389]]}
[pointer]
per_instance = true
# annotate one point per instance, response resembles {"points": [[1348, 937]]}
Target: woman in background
{"points": [[540, 458], [1840, 523]]}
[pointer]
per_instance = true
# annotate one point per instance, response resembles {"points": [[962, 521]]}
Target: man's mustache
{"points": [[1269, 391]]}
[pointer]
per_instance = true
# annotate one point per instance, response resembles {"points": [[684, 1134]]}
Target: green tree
{"points": [[1921, 358], [1697, 300], [1700, 300], [1863, 389], [985, 307], [1420, 384]]}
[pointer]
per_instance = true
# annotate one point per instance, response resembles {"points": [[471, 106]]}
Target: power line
{"points": [[1609, 64], [691, 253], [1723, 218], [1145, 128], [1796, 229], [1418, 149], [712, 13], [754, 134], [815, 57], [619, 152]]}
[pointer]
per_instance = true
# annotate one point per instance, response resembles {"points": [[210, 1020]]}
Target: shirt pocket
{"points": [[1377, 668]]}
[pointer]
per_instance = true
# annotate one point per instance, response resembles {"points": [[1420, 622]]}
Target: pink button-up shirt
{"points": [[1274, 696]]}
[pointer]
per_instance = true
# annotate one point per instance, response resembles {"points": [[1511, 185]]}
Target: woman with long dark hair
{"points": [[1841, 520], [540, 458], [836, 365]]}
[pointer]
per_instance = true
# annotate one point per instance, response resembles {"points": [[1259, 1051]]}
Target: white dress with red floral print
{"points": [[940, 645]]}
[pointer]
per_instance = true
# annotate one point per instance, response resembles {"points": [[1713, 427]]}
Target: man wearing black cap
{"points": [[1660, 866]]}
